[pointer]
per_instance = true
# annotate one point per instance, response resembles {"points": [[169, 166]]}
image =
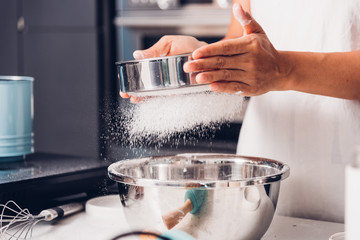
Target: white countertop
{"points": [[87, 226]]}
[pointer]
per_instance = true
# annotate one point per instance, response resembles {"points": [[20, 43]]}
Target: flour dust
{"points": [[159, 120]]}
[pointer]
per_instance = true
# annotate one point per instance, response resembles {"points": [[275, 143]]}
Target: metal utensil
{"points": [[239, 202], [158, 76], [18, 223], [16, 117]]}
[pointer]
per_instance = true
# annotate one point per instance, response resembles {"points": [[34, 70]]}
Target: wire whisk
{"points": [[17, 223]]}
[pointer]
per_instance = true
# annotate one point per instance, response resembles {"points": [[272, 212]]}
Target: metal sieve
{"points": [[150, 77]]}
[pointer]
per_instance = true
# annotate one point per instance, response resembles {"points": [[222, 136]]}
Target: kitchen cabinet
{"points": [[60, 51], [56, 42], [9, 36], [65, 90]]}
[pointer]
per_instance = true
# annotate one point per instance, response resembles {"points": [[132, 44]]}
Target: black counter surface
{"points": [[42, 179]]}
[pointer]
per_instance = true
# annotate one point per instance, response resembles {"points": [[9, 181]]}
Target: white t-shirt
{"points": [[315, 135]]}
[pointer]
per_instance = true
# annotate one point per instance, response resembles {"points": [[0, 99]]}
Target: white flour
{"points": [[160, 118]]}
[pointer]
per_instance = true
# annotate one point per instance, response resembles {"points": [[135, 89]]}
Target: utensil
{"points": [[194, 198], [18, 223], [241, 193], [158, 76], [16, 117]]}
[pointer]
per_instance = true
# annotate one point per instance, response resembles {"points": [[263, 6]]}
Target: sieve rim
{"points": [[152, 59]]}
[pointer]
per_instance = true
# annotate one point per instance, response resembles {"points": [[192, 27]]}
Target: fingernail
{"points": [[214, 87], [186, 66], [197, 78], [138, 54], [241, 15], [196, 54], [191, 65]]}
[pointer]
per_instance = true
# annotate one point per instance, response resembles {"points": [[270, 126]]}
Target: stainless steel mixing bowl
{"points": [[232, 197], [152, 76]]}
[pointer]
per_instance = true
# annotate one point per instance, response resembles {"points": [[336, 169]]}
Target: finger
{"points": [[222, 48], [142, 54], [218, 62], [159, 49], [246, 20], [124, 95], [136, 99], [193, 77], [230, 87], [132, 99], [220, 75]]}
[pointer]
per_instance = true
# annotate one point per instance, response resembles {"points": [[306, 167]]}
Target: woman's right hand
{"points": [[168, 45]]}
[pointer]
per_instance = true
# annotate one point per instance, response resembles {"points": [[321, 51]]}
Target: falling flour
{"points": [[160, 118]]}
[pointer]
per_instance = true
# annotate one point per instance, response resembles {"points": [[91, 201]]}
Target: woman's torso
{"points": [[315, 135]]}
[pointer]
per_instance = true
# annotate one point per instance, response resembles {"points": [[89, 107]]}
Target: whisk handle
{"points": [[61, 211]]}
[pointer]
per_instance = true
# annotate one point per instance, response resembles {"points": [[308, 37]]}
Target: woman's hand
{"points": [[166, 46], [249, 65], [170, 45]]}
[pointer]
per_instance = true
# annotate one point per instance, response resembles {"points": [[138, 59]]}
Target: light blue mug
{"points": [[16, 117]]}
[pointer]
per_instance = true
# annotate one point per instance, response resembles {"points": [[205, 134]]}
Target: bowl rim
{"points": [[284, 172]]}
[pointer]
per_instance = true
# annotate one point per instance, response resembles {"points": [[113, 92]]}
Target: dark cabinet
{"points": [[8, 37], [65, 90], [56, 42], [66, 14]]}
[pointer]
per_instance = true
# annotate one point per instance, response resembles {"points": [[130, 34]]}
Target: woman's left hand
{"points": [[249, 65]]}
